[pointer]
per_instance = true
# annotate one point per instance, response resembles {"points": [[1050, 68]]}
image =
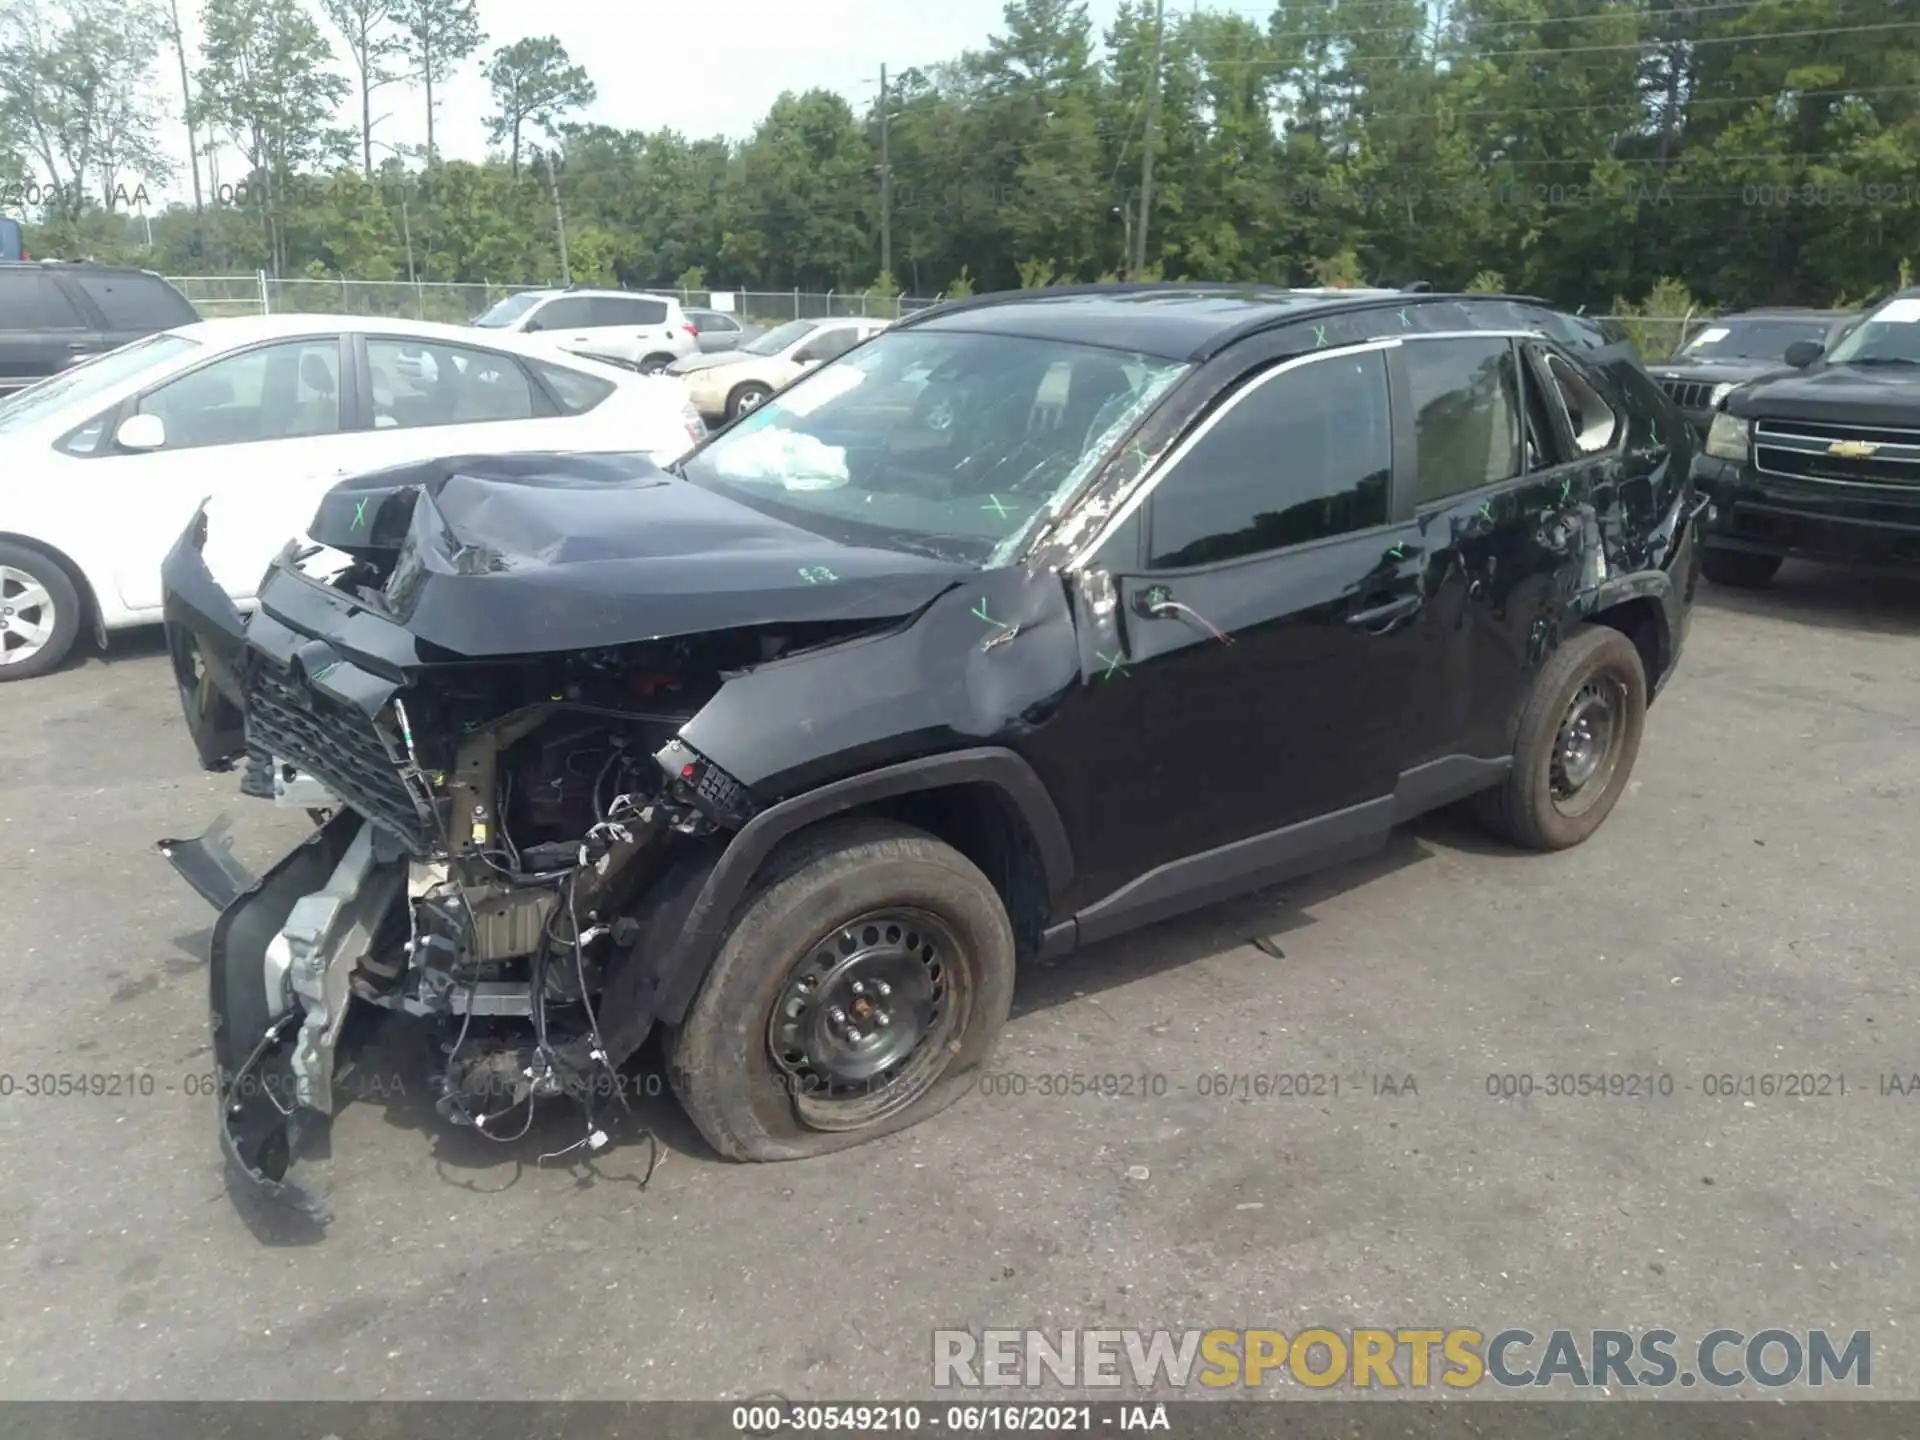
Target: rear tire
{"points": [[39, 612], [760, 1064], [1738, 569], [748, 397], [1578, 737]]}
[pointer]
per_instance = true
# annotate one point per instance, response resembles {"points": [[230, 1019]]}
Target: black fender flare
{"points": [[1655, 585], [684, 916]]}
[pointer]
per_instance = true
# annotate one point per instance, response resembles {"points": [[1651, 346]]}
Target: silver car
{"points": [[720, 331]]}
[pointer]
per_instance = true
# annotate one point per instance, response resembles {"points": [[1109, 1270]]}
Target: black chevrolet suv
{"points": [[1823, 461], [1037, 618], [56, 313]]}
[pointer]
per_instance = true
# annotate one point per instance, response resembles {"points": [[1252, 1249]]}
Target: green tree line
{"points": [[1598, 152]]}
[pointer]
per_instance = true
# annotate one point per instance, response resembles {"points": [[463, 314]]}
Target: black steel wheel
{"points": [[863, 1022], [862, 983], [1578, 735]]}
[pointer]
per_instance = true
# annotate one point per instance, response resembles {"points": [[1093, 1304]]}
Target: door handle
{"points": [[1387, 614], [79, 345], [1154, 603]]}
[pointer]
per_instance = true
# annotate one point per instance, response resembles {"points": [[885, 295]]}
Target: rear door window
{"points": [[142, 303], [574, 312], [627, 311], [417, 385], [33, 300], [1466, 409]]}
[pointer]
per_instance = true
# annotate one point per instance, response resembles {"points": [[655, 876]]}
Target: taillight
{"points": [[691, 329]]}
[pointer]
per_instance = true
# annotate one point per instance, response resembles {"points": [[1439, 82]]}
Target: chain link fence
{"points": [[217, 296], [1657, 336]]}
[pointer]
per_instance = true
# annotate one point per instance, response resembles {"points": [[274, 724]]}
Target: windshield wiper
{"points": [[1881, 360]]}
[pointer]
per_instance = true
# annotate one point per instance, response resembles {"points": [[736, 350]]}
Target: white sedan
{"points": [[103, 465]]}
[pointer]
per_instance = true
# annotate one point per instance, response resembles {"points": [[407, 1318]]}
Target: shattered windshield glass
{"points": [[944, 443]]}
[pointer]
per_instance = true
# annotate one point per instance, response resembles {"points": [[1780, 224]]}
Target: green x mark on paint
{"points": [[1114, 667], [1139, 454], [1566, 487], [995, 504], [1319, 336], [1486, 510], [1403, 319], [1397, 552], [979, 612], [360, 515], [817, 574]]}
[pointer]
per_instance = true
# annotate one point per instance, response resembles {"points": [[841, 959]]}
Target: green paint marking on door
{"points": [[1114, 667], [360, 515], [1319, 336], [979, 612], [995, 504]]}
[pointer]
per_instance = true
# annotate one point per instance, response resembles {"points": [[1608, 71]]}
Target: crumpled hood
{"points": [[506, 555], [1843, 394]]}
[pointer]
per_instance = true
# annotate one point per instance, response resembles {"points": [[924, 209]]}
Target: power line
{"points": [[1476, 27], [1604, 49]]}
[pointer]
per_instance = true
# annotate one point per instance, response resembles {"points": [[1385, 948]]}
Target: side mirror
{"points": [[1802, 353], [141, 432]]}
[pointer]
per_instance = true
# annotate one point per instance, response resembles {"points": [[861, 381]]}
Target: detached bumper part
{"points": [[282, 954], [207, 864]]}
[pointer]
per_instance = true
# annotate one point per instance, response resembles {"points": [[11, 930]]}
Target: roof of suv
{"points": [[1176, 321], [93, 266]]}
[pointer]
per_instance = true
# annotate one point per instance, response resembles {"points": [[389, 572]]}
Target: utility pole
{"points": [[1146, 153], [559, 219], [886, 181]]}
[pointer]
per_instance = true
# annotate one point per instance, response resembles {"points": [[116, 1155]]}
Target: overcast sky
{"points": [[654, 66]]}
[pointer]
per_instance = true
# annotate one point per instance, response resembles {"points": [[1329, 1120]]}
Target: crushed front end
{"points": [[491, 820]]}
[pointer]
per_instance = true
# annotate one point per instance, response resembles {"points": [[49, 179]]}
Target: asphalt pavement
{"points": [[1749, 910]]}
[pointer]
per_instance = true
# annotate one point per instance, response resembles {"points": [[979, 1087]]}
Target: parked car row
{"points": [[1809, 421]]}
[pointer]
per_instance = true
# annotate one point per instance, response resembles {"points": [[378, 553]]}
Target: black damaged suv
{"points": [[1037, 618], [1823, 461]]}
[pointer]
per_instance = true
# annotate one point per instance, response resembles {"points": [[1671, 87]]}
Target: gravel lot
{"points": [[1749, 908]]}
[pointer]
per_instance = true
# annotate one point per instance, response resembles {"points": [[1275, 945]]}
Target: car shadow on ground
{"points": [[1826, 595], [394, 1065]]}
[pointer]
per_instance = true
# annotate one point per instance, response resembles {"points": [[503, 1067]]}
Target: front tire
{"points": [[1738, 569], [39, 613], [654, 364], [863, 982], [750, 396], [1579, 735]]}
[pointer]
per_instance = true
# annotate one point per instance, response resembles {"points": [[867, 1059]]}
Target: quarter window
{"points": [[577, 393], [1301, 456], [1595, 425], [274, 392], [1466, 407]]}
